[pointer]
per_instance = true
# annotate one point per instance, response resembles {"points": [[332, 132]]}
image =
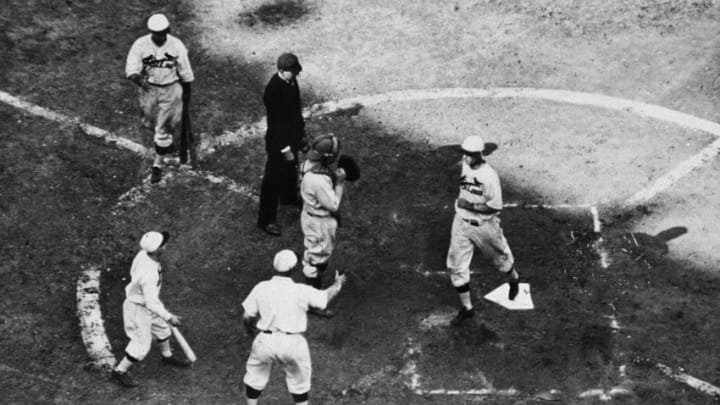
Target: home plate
{"points": [[522, 301]]}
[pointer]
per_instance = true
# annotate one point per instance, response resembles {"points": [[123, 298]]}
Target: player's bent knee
{"points": [[459, 278], [251, 392], [301, 397]]}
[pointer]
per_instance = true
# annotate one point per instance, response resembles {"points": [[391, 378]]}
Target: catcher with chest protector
{"points": [[321, 188]]}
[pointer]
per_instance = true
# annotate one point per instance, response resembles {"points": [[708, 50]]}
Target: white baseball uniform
{"points": [[318, 224], [144, 315], [163, 66], [282, 306], [472, 228]]}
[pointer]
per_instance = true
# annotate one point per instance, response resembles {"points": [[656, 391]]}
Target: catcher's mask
{"points": [[325, 148]]}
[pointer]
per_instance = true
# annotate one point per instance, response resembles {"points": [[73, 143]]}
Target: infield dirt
{"points": [[60, 189]]}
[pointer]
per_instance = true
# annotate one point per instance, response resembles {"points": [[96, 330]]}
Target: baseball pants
{"points": [[290, 351], [319, 241], [140, 326], [487, 236], [162, 107]]}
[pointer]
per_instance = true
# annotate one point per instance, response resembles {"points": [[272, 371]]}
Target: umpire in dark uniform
{"points": [[284, 138]]}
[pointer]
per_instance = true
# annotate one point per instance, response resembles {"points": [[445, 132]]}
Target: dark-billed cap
{"points": [[289, 62]]}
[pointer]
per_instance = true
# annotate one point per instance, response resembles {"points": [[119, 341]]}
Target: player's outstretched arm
{"points": [[335, 288]]}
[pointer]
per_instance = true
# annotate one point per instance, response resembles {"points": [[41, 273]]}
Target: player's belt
{"points": [[317, 215], [473, 222], [162, 85], [270, 332]]}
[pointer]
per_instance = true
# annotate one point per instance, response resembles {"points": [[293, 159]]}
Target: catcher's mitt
{"points": [[352, 170]]}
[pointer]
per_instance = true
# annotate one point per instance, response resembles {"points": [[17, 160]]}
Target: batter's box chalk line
{"points": [[484, 387], [598, 245], [88, 305]]}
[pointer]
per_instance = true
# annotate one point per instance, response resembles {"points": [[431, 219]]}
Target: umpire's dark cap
{"points": [[289, 62]]}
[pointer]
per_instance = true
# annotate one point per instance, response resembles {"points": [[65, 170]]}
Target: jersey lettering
{"points": [[168, 61], [474, 187]]}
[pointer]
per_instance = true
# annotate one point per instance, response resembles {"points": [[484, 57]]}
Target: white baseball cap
{"points": [[151, 241], [158, 23], [473, 144], [285, 260]]}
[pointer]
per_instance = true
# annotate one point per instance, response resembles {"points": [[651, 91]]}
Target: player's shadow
{"points": [[651, 248]]}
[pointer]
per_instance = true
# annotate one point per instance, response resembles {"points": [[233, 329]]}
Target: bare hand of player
{"points": [[340, 175], [174, 320], [340, 278], [289, 156]]}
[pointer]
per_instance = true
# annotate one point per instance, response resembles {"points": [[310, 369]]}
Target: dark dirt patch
{"points": [[274, 15]]}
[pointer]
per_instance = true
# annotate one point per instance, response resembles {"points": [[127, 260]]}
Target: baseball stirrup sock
{"points": [[251, 392], [463, 288], [124, 365], [165, 348], [301, 397]]}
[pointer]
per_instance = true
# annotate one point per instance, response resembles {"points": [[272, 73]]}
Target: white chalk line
{"points": [[92, 328], [696, 383], [579, 98], [563, 96], [598, 245], [414, 379], [669, 179]]}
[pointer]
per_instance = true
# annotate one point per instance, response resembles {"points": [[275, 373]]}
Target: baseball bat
{"points": [[189, 353]]}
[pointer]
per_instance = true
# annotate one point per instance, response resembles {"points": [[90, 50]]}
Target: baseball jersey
{"points": [[145, 283], [161, 64], [479, 185], [317, 192], [283, 304]]}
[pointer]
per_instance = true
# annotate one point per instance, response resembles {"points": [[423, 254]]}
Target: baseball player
{"points": [[144, 315], [276, 310], [477, 224], [321, 190], [158, 63]]}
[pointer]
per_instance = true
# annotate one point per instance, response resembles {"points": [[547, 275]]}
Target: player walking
{"points": [[321, 190], [477, 224], [158, 63], [144, 315], [276, 310]]}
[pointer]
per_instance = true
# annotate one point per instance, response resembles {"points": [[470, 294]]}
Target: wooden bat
{"points": [[184, 344]]}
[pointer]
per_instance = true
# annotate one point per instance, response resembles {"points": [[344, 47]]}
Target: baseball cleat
{"points": [[272, 229], [175, 361], [513, 292], [124, 379], [462, 315]]}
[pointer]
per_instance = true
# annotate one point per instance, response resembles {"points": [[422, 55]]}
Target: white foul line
{"points": [[88, 304], [565, 96], [680, 171]]}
